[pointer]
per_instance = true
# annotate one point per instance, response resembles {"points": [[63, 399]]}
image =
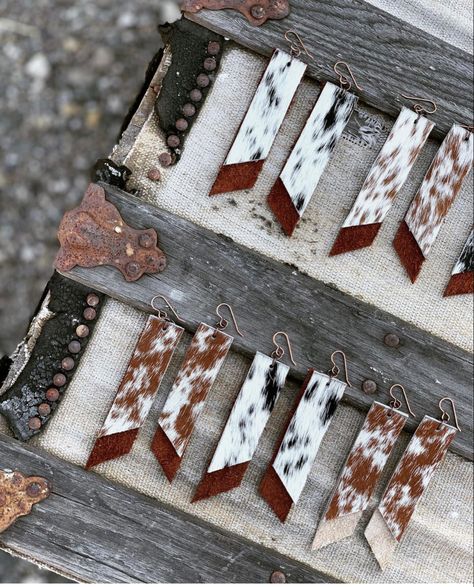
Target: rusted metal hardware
{"points": [[95, 234], [18, 494], [257, 12], [392, 340]]}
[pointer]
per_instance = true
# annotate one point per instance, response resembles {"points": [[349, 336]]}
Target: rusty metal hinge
{"points": [[257, 12], [18, 494]]}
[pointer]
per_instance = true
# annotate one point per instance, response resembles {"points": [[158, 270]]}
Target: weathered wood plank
{"points": [[205, 269], [388, 55], [94, 531]]}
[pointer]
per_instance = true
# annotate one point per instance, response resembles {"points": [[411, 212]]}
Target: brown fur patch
{"points": [[352, 238], [240, 176], [408, 251]]}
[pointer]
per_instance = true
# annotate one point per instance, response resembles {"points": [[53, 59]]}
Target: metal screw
{"points": [[257, 12], [278, 577], [369, 386], [392, 340]]}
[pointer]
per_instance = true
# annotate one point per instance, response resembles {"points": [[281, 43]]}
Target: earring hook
{"points": [[297, 47], [344, 81], [444, 414], [279, 351], [162, 313], [396, 403], [334, 372], [418, 108], [223, 322]]}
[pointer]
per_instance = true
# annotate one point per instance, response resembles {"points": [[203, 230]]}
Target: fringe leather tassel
{"points": [[297, 182], [137, 390], [386, 178], [246, 423], [360, 474], [462, 278], [261, 124], [429, 208], [202, 363], [412, 476], [286, 476]]}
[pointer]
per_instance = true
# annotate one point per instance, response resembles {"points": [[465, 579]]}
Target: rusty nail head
{"points": [[203, 80], [33, 489], [257, 11], [59, 379], [34, 423], [89, 314], [391, 340], [369, 386], [145, 241], [210, 64], [189, 109], [195, 95], [173, 141], [44, 410], [214, 48], [182, 124], [165, 159], [52, 394], [278, 577], [154, 174], [82, 331]]}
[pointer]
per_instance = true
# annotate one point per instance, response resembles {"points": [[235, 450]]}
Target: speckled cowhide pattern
{"points": [[441, 184], [244, 427], [261, 124], [202, 363], [385, 179], [462, 278], [360, 473], [301, 174], [137, 391]]}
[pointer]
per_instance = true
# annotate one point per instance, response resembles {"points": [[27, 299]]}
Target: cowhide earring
{"points": [[297, 182], [296, 452], [139, 386], [424, 453], [386, 178], [202, 363], [262, 122], [361, 471], [442, 183], [246, 423], [462, 277]]}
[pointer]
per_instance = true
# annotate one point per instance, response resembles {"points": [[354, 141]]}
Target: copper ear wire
{"points": [[161, 313], [418, 108], [279, 351], [344, 81], [444, 414], [396, 404], [297, 47], [334, 372], [223, 322]]}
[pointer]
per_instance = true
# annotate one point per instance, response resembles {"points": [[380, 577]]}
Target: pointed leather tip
{"points": [[165, 454], [283, 208], [459, 284], [240, 176], [352, 238], [408, 251], [220, 481], [108, 448], [274, 493]]}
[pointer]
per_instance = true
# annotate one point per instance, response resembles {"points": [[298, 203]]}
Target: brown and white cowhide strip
{"points": [[246, 423], [386, 178], [137, 390], [412, 476], [261, 124], [462, 277], [294, 188], [441, 185], [360, 474], [202, 363], [286, 476]]}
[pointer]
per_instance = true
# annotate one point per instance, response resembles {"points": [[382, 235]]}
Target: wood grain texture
{"points": [[388, 55], [130, 538], [317, 317]]}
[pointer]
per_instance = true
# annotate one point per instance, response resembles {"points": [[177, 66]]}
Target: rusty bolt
{"points": [[214, 48], [278, 577], [257, 11], [173, 141], [44, 410], [34, 423], [369, 386], [154, 174], [74, 347], [210, 64], [82, 331], [392, 340], [165, 159], [52, 394], [33, 489], [89, 314], [203, 80], [68, 363], [93, 300], [59, 379], [145, 241], [189, 110], [132, 268]]}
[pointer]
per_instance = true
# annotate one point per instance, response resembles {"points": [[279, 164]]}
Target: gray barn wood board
{"points": [[388, 56], [269, 296], [92, 530]]}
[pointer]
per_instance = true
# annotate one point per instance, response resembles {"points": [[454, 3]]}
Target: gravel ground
{"points": [[69, 72]]}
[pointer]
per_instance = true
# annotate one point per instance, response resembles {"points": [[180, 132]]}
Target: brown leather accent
{"points": [[220, 481], [352, 238], [274, 493], [240, 176], [460, 283], [408, 251], [282, 206], [165, 453], [111, 447]]}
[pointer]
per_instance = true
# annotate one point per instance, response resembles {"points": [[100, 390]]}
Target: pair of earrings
{"points": [[364, 466], [300, 176], [140, 384]]}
